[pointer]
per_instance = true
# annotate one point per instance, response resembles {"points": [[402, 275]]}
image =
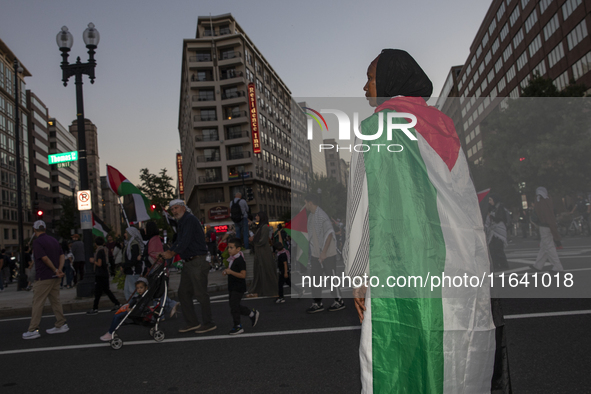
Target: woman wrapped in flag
{"points": [[415, 214]]}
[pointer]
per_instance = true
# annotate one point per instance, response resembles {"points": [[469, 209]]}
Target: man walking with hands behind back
{"points": [[49, 262], [190, 245]]}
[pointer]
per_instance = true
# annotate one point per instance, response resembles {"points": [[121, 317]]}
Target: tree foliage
{"points": [[543, 139], [159, 189]]}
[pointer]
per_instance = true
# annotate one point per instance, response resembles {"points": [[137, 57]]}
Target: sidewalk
{"points": [[18, 303]]}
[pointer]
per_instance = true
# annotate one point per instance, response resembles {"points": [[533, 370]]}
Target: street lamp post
{"points": [[22, 279], [65, 41]]}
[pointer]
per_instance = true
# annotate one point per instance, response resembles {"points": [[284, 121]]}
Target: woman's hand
{"points": [[359, 297], [250, 239]]}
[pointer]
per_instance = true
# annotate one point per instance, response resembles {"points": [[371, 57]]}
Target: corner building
{"points": [[518, 39], [215, 125]]}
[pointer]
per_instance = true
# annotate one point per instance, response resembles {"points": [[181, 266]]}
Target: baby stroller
{"points": [[149, 309]]}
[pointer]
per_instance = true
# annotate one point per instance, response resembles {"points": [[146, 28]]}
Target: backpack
{"points": [[236, 212]]}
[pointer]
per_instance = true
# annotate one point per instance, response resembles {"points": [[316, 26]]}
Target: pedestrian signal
{"points": [[249, 194]]}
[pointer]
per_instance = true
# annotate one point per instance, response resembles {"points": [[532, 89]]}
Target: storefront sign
{"points": [[254, 119], [218, 213]]}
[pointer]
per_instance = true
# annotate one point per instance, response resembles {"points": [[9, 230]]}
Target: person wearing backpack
{"points": [[496, 232], [101, 272], [239, 215]]}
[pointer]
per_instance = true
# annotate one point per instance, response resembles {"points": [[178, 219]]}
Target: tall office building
{"points": [[94, 181], [8, 220], [64, 175], [40, 181], [334, 163], [518, 39], [216, 125]]}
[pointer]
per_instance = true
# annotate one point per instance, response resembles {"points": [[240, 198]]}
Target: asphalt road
{"points": [[288, 352]]}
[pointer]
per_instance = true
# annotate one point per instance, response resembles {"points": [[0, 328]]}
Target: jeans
{"points": [[116, 320], [194, 278], [242, 231]]}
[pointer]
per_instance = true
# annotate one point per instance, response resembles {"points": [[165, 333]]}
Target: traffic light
{"points": [[249, 194], [153, 207], [39, 214]]}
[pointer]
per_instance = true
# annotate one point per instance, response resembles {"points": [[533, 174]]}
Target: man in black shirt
{"points": [[190, 245]]}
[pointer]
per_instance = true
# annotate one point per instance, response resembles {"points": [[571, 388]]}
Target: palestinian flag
{"points": [[99, 228], [415, 213], [136, 204], [297, 229]]}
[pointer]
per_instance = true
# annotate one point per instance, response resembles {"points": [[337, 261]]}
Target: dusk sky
{"points": [[318, 48]]}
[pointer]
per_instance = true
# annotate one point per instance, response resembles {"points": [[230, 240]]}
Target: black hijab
{"points": [[398, 74]]}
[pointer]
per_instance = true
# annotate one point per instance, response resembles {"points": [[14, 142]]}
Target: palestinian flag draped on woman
{"points": [[415, 213]]}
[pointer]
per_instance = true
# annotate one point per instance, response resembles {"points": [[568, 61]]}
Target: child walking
{"points": [[236, 273], [284, 276]]}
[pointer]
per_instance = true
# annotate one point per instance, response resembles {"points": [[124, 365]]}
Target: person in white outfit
{"points": [[543, 208]]}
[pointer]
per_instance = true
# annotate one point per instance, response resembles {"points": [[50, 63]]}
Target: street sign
{"points": [[63, 157], [84, 201], [65, 164], [86, 220]]}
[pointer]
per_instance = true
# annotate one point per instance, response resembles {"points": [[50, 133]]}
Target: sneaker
{"points": [[315, 308], [187, 329], [206, 328], [236, 330], [107, 337], [31, 334], [280, 300], [92, 312], [58, 330], [254, 319], [337, 306], [116, 308], [174, 309]]}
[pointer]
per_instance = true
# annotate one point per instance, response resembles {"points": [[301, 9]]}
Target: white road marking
{"points": [[548, 314], [189, 339]]}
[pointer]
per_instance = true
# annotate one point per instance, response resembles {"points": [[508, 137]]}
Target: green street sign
{"points": [[63, 157]]}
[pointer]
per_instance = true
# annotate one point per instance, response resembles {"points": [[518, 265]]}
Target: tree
{"points": [[158, 189], [68, 220], [540, 139]]}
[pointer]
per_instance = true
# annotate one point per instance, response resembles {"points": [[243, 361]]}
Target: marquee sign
{"points": [[254, 119]]}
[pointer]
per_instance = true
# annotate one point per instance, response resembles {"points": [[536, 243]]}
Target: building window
{"points": [[569, 6], [492, 27], [544, 5], [491, 75], [577, 34], [514, 16], [518, 38], [582, 66], [488, 57], [562, 81], [511, 73], [495, 45], [531, 21], [551, 27], [524, 3], [501, 84], [208, 115], [13, 233], [501, 11], [535, 45], [206, 95], [540, 69], [522, 61], [504, 32], [507, 52], [498, 65], [556, 54], [6, 233]]}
